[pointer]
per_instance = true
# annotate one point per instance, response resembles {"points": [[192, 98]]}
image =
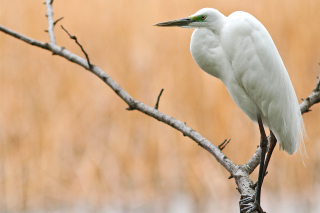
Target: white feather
{"points": [[240, 52]]}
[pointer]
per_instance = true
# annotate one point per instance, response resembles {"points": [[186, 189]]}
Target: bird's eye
{"points": [[203, 17]]}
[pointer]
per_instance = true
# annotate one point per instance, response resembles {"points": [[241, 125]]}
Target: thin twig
{"points": [[158, 99], [76, 40], [56, 21], [223, 144]]}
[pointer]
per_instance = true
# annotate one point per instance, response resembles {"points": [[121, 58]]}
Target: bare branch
{"points": [[76, 40], [254, 161], [24, 38], [50, 21], [158, 99], [133, 104], [312, 99]]}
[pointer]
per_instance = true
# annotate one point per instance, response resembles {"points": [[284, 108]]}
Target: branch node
{"points": [[76, 40], [158, 99], [130, 108]]}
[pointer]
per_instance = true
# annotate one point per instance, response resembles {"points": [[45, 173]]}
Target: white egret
{"points": [[240, 52]]}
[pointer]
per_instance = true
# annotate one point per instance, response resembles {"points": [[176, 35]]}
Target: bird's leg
{"points": [[263, 146], [273, 142], [245, 202]]}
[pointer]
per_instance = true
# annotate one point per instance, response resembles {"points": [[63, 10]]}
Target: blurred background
{"points": [[67, 144]]}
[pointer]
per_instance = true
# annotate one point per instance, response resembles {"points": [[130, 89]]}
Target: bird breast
{"points": [[206, 51]]}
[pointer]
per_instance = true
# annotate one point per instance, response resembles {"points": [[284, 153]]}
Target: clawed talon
{"points": [[248, 204], [254, 185], [245, 199], [252, 207]]}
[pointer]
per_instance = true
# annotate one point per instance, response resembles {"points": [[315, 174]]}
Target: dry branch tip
{"points": [[223, 144], [158, 100], [56, 21], [76, 40]]}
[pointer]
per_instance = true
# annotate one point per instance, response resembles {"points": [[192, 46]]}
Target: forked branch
{"points": [[76, 40]]}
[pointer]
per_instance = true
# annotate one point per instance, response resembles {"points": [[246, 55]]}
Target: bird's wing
{"points": [[259, 70]]}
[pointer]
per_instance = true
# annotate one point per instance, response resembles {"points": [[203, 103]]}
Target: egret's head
{"points": [[206, 17]]}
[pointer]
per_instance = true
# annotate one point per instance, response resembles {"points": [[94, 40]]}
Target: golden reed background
{"points": [[66, 138]]}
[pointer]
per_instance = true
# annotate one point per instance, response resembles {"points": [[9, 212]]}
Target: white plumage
{"points": [[240, 52]]}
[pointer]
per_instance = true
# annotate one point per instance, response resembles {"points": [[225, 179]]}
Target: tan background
{"points": [[67, 141]]}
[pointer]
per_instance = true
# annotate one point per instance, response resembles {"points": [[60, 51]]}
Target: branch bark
{"points": [[50, 21], [312, 99]]}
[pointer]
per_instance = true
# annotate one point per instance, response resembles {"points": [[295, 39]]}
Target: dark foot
{"points": [[248, 204]]}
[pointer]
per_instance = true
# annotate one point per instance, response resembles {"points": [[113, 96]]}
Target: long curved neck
{"points": [[218, 23], [206, 51]]}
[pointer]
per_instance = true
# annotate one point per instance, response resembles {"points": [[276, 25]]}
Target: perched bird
{"points": [[240, 52]]}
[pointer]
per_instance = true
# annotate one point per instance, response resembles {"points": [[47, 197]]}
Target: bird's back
{"points": [[256, 78]]}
